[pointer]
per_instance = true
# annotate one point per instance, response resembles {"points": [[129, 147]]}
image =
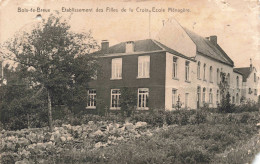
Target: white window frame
{"points": [[144, 97], [175, 68], [115, 96], [116, 68], [143, 67], [92, 99]]}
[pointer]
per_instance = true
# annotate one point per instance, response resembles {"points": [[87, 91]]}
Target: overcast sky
{"points": [[235, 22]]}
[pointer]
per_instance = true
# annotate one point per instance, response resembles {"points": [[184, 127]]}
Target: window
{"points": [[233, 99], [254, 77], [210, 96], [204, 72], [217, 97], [218, 76], [187, 70], [186, 100], [249, 91], [143, 66], [198, 70], [210, 74], [237, 82], [115, 98], [143, 97], [237, 98], [255, 91], [174, 97], [204, 95], [91, 98], [116, 68], [174, 68], [228, 79]]}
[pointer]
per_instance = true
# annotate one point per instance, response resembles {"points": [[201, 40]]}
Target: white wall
{"points": [[250, 83], [214, 85], [180, 84]]}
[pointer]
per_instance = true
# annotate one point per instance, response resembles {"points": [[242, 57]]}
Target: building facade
{"points": [[177, 69], [250, 83]]}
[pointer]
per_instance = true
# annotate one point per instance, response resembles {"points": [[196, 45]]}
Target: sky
{"points": [[235, 22]]}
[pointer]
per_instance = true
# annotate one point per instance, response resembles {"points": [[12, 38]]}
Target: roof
{"points": [[236, 71], [207, 48], [147, 45], [245, 72], [139, 46]]}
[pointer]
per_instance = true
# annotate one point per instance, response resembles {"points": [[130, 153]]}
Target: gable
{"points": [[174, 37]]}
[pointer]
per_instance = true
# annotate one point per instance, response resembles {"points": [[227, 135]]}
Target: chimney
{"points": [[213, 39], [104, 46], [129, 46]]}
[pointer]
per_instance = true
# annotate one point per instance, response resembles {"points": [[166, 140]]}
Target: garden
{"points": [[183, 136]]}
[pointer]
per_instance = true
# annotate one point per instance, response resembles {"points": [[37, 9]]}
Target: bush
{"points": [[194, 156], [154, 118], [199, 118]]}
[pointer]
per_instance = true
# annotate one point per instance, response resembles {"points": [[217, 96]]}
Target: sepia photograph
{"points": [[129, 81]]}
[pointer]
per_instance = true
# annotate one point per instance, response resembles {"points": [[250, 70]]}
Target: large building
{"points": [[178, 66]]}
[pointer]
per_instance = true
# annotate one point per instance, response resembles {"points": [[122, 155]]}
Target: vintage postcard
{"points": [[130, 81]]}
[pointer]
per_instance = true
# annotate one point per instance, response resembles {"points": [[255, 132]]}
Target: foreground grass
{"points": [[203, 143]]}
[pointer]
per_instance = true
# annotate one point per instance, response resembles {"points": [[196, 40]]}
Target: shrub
{"points": [[247, 107], [194, 156], [199, 118], [154, 118], [127, 101]]}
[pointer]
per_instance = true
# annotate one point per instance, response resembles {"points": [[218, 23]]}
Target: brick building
{"points": [[177, 65]]}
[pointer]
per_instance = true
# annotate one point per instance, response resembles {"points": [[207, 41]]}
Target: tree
{"points": [[20, 107], [224, 93], [55, 58], [127, 101]]}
